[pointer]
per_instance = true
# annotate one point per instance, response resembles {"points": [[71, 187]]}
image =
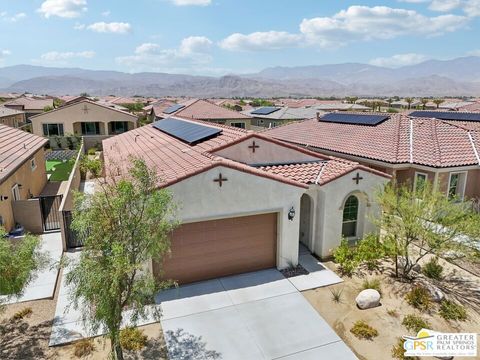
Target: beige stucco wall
{"points": [[266, 153], [243, 194], [28, 214], [32, 183], [13, 120], [329, 201], [229, 122], [70, 115]]}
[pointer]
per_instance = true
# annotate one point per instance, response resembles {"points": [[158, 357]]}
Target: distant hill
{"points": [[456, 77]]}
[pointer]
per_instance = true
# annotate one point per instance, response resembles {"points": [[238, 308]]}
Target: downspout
{"points": [[411, 141]]}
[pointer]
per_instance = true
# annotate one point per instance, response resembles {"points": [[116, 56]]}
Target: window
{"points": [[53, 129], [350, 215], [90, 128], [33, 164], [118, 127], [456, 185], [420, 182], [240, 125], [16, 192]]}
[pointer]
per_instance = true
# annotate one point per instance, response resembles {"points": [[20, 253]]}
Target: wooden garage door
{"points": [[209, 249]]}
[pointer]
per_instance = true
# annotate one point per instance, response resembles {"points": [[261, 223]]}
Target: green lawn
{"points": [[60, 171]]}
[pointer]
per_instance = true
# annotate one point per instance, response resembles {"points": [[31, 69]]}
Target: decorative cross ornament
{"points": [[253, 146], [220, 180], [357, 178], [85, 109]]}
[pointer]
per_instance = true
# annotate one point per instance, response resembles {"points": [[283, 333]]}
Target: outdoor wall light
{"points": [[3, 198], [291, 214]]}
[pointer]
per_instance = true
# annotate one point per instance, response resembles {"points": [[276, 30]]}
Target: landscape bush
{"points": [[344, 256], [450, 310], [419, 298], [363, 331], [21, 314], [372, 284], [398, 352], [433, 269], [415, 323], [369, 251], [336, 295], [83, 348], [132, 339]]}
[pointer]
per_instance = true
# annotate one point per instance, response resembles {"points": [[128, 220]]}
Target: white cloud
{"points": [[474, 52], [471, 8], [399, 60], [12, 18], [193, 50], [112, 27], [4, 53], [63, 8], [269, 40], [191, 2], [106, 13], [56, 56], [444, 5]]}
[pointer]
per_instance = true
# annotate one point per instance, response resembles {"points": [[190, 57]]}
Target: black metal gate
{"points": [[73, 239], [50, 206]]}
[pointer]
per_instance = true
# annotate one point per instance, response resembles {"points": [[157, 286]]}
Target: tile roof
{"points": [[16, 147], [9, 112], [176, 160], [435, 143], [205, 110], [286, 113], [30, 104]]}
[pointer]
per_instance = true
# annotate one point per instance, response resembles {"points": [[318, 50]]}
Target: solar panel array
{"points": [[354, 119], [173, 108], [447, 115], [266, 110], [186, 131]]}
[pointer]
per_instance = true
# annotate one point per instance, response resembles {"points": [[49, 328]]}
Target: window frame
{"points": [[461, 196], [60, 129], [33, 164], [355, 221], [243, 125], [415, 180], [83, 128], [16, 190]]}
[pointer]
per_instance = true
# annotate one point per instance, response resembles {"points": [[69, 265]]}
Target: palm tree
{"points": [[424, 102], [409, 101], [438, 102]]}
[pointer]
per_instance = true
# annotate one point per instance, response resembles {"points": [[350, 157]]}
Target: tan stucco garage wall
{"points": [[32, 183], [75, 113], [200, 198]]}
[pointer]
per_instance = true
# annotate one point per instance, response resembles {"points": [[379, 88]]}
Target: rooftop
{"points": [[200, 109]]}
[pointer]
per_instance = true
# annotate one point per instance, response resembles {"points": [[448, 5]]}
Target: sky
{"points": [[217, 37]]}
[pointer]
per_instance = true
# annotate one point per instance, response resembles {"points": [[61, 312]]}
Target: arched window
{"points": [[350, 216]]}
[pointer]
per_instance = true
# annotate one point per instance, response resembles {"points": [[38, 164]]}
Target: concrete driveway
{"points": [[259, 315]]}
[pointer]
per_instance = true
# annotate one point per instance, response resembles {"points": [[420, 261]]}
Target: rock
{"points": [[368, 298], [435, 293]]}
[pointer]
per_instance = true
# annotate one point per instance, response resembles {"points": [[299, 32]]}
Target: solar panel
{"points": [[447, 115], [173, 108], [186, 131], [355, 119], [266, 110]]}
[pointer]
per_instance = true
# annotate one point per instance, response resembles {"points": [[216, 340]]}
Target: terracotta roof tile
{"points": [[206, 110]]}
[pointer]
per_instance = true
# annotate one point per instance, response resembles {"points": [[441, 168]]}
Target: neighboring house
{"points": [[460, 106], [200, 109], [411, 149], [85, 118], [12, 117], [155, 110], [69, 100], [22, 173], [402, 104], [342, 107], [31, 106], [272, 116], [246, 201]]}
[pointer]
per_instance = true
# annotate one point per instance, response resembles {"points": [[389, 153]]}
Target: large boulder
{"points": [[368, 298], [435, 293]]}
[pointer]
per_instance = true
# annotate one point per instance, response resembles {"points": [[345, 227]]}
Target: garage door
{"points": [[209, 249]]}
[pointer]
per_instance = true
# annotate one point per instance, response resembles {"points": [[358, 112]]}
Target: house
{"points": [[246, 201], [402, 104], [86, 118], [272, 116], [155, 109], [31, 106], [12, 117], [411, 148], [200, 109], [69, 100], [342, 107], [22, 175], [460, 106]]}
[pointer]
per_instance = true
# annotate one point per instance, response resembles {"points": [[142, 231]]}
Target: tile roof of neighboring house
{"points": [[342, 107], [200, 109], [159, 106], [126, 100], [435, 143], [9, 112], [286, 113], [461, 106], [176, 160], [16, 147], [30, 104], [9, 95]]}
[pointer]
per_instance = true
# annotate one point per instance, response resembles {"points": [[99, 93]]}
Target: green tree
{"points": [[438, 102], [423, 221], [424, 102], [409, 101], [85, 94], [124, 226], [47, 108], [18, 261]]}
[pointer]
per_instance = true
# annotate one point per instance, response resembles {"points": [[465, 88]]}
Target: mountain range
{"points": [[456, 77]]}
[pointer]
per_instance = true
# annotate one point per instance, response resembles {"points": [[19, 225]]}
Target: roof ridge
{"points": [[437, 143]]}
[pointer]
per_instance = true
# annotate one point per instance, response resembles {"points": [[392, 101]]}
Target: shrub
{"points": [[25, 312], [372, 284], [94, 166], [452, 311], [84, 347], [344, 255], [369, 251], [433, 269], [398, 352], [363, 331], [337, 295], [132, 339], [392, 312], [419, 298], [92, 151], [415, 323]]}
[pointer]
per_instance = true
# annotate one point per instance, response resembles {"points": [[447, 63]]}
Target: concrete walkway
{"points": [[43, 284], [258, 315]]}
